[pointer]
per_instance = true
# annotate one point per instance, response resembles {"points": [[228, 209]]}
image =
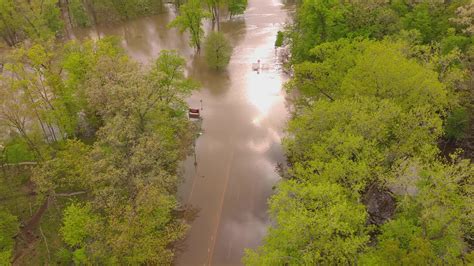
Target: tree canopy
{"points": [[217, 50], [376, 87], [191, 15]]}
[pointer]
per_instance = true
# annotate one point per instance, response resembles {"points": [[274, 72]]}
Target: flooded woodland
{"points": [[236, 132]]}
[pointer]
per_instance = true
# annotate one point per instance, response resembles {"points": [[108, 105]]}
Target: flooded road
{"points": [[231, 176]]}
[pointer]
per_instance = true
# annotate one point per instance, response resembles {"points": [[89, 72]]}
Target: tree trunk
{"points": [[68, 24], [90, 9], [218, 19]]}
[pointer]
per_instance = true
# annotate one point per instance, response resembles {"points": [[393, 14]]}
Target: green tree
{"points": [[432, 219], [348, 68], [78, 13], [317, 22], [128, 177], [322, 77], [10, 23], [8, 229], [68, 172], [133, 175], [79, 225], [217, 50], [190, 19], [139, 231], [236, 7], [36, 19], [107, 11], [315, 224], [36, 79], [384, 72], [16, 150], [457, 124], [169, 80], [428, 19], [79, 61], [370, 113], [373, 19], [78, 222], [354, 142]]}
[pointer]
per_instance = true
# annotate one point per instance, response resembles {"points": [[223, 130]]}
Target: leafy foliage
{"points": [[430, 223], [124, 181], [317, 22], [130, 173], [217, 50], [190, 19], [84, 13], [77, 221], [315, 223], [372, 84], [99, 128], [279, 40], [17, 151], [36, 19], [78, 12], [457, 124], [8, 228], [69, 170], [236, 7]]}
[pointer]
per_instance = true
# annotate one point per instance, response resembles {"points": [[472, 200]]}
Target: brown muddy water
{"points": [[230, 178]]}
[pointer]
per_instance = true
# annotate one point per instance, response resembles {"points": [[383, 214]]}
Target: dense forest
{"points": [[90, 140], [381, 136]]}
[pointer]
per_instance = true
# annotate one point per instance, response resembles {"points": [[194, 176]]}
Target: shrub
{"points": [[279, 40]]}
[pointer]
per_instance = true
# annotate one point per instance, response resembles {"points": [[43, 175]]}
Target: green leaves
{"points": [[383, 72], [124, 183], [370, 113], [365, 130], [236, 7], [330, 25], [217, 50], [36, 20], [367, 107], [77, 226], [431, 219], [68, 171], [130, 172], [8, 229], [457, 124], [190, 19], [141, 231], [314, 224], [85, 13], [280, 38], [167, 76]]}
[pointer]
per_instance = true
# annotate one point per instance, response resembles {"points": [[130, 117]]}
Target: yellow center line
{"points": [[214, 236]]}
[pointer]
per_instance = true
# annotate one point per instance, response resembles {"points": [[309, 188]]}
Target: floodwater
{"points": [[230, 177]]}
